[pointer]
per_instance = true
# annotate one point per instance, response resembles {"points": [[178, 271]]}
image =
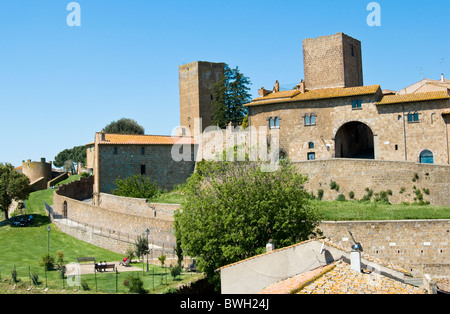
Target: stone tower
{"points": [[196, 82], [332, 61]]}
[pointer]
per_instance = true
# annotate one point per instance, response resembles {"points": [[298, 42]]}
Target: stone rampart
{"points": [[404, 179]]}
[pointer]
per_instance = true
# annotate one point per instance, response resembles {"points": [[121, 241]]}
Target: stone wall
{"points": [[399, 177], [416, 245]]}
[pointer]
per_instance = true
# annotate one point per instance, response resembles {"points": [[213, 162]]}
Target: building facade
{"points": [[348, 120]]}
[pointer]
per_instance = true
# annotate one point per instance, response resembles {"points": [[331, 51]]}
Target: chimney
{"points": [[276, 89], [270, 246], [442, 78], [263, 92], [355, 260], [103, 136], [302, 87]]}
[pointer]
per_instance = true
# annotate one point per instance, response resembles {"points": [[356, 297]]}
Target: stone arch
{"points": [[354, 139]]}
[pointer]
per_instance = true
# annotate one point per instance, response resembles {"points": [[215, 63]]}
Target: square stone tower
{"points": [[332, 61], [196, 97]]}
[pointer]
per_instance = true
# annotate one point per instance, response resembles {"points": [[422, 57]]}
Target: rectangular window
{"points": [[115, 150], [142, 169], [142, 151], [311, 156], [357, 104], [413, 117]]}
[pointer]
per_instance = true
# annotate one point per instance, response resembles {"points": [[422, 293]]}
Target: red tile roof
{"points": [[121, 139]]}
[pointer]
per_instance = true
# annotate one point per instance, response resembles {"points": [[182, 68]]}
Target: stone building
{"points": [[332, 115]]}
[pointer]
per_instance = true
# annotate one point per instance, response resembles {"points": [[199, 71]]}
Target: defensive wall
{"points": [[404, 179], [120, 220]]}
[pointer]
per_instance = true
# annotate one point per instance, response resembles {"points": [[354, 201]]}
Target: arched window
{"points": [[426, 157], [310, 119], [311, 145]]}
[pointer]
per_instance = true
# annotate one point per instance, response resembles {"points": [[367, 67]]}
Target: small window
{"points": [[310, 119], [274, 123], [311, 145], [353, 50], [142, 169], [311, 156], [413, 117], [142, 151], [357, 104], [115, 150], [396, 147]]}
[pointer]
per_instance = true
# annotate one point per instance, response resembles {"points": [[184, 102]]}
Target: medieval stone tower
{"points": [[196, 82], [332, 61]]}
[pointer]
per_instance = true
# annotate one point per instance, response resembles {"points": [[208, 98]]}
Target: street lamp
{"points": [[147, 232], [48, 239]]}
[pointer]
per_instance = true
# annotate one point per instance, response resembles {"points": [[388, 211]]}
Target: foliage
{"points": [[69, 158], [13, 186], [230, 94], [340, 198], [137, 186], [48, 262], [175, 271], [124, 126], [61, 265], [135, 284], [141, 246], [233, 209], [162, 259]]}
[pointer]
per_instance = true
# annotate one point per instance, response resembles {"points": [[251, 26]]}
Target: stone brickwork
{"points": [[399, 177], [416, 245], [332, 61], [196, 80], [122, 161]]}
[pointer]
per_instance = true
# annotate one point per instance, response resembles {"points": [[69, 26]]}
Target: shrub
{"points": [[14, 276], [135, 284], [341, 198], [351, 195], [48, 262], [334, 186], [137, 186], [85, 285], [320, 194], [175, 271], [162, 259]]}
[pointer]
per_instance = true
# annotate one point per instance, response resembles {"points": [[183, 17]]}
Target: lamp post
{"points": [[147, 232], [48, 239]]}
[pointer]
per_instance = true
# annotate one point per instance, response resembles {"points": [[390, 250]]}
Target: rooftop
{"points": [[404, 98], [338, 278], [326, 93], [122, 139]]}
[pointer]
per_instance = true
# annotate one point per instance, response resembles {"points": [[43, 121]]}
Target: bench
{"points": [[105, 267], [85, 259]]}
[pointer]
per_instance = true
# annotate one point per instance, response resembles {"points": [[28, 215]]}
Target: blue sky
{"points": [[59, 84]]}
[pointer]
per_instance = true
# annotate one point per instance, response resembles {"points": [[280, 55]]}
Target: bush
{"points": [[341, 198], [135, 284], [85, 285], [137, 186], [351, 195], [334, 186], [320, 194], [175, 271], [48, 262]]}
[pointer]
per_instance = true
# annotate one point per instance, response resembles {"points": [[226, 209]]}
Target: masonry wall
{"points": [[419, 246], [399, 177], [393, 137], [157, 160]]}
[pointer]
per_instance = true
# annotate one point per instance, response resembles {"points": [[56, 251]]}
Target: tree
{"points": [[141, 246], [136, 186], [124, 126], [13, 186], [232, 209], [230, 94], [69, 158]]}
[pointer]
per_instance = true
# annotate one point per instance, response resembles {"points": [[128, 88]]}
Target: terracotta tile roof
{"points": [[403, 98], [326, 93], [121, 139], [342, 280]]}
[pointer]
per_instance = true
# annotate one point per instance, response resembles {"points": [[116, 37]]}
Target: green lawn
{"points": [[22, 249]]}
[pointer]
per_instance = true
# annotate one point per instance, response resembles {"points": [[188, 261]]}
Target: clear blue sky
{"points": [[59, 84]]}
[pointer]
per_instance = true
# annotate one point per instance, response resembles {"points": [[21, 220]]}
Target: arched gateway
{"points": [[354, 140]]}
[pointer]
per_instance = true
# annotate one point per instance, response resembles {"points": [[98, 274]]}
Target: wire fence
{"points": [[113, 281]]}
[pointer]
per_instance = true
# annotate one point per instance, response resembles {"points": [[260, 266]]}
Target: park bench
{"points": [[105, 267], [85, 259]]}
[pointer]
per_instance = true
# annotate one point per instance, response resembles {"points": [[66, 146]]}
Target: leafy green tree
{"points": [[230, 94], [136, 186], [69, 158], [124, 126], [13, 186], [232, 209], [141, 246]]}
